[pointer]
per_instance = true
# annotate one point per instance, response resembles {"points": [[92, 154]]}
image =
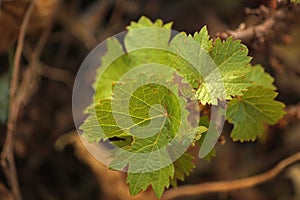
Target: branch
{"points": [[56, 74], [226, 186], [20, 95], [7, 156], [260, 32]]}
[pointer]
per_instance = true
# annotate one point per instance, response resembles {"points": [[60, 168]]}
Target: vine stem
{"points": [[7, 156], [226, 186]]}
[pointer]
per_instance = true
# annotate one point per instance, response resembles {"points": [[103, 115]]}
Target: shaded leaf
{"points": [[249, 112]]}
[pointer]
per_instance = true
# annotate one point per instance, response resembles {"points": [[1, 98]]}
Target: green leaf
{"points": [[258, 76], [4, 97], [145, 22], [147, 109], [249, 112], [115, 65], [184, 166], [113, 57], [92, 129], [190, 59], [231, 60], [295, 1], [203, 39], [159, 180], [157, 35]]}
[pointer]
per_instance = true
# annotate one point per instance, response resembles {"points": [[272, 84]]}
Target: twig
{"points": [[17, 58], [5, 193], [20, 96], [260, 32], [226, 186], [56, 74], [7, 156], [43, 69], [29, 81]]}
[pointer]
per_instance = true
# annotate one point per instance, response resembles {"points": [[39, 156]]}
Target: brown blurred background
{"points": [[48, 161]]}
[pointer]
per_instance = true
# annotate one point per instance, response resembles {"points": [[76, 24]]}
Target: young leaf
{"points": [[144, 22], [159, 180], [249, 112], [157, 35], [231, 60], [203, 39]]}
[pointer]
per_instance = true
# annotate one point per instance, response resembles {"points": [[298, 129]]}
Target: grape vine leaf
{"points": [[157, 34], [231, 60], [108, 72], [258, 76], [145, 22], [203, 39], [184, 166], [141, 172], [91, 128], [157, 179], [249, 112]]}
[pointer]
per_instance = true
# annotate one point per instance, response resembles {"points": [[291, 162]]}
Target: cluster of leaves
{"points": [[248, 90]]}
